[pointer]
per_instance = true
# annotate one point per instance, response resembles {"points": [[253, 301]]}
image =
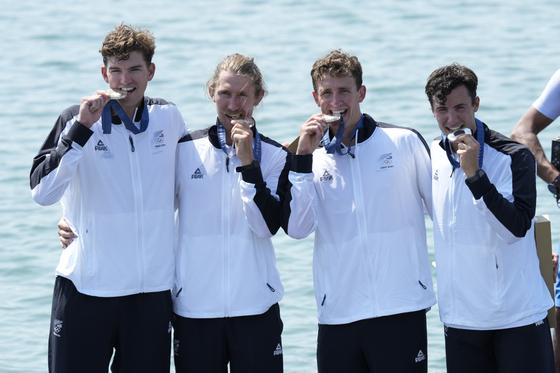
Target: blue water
{"points": [[49, 59]]}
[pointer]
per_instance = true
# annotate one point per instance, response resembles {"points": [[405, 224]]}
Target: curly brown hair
{"points": [[240, 65], [125, 39], [337, 64], [444, 80]]}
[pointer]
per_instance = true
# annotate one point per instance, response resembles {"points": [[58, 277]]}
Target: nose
{"points": [[235, 103], [125, 77], [452, 117]]}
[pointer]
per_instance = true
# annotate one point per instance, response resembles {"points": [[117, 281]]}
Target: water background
{"points": [[49, 59]]}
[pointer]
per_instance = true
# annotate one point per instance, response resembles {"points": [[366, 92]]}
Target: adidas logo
{"points": [[278, 350], [57, 327], [420, 357], [436, 177], [101, 147], [326, 177], [197, 174]]}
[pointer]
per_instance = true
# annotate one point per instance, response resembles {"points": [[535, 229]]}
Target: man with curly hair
{"points": [[112, 165], [493, 300], [360, 185]]}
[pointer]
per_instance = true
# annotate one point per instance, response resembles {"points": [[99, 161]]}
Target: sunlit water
{"points": [[50, 59]]}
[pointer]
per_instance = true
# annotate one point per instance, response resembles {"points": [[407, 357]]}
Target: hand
{"points": [[65, 233], [242, 137], [467, 151], [554, 266], [91, 108], [311, 134]]}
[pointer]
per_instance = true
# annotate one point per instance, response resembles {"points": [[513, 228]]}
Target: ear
{"points": [[259, 99], [104, 73], [476, 103], [316, 98], [151, 71], [362, 93]]}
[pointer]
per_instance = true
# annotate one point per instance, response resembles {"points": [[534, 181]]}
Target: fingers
{"points": [[554, 266]]}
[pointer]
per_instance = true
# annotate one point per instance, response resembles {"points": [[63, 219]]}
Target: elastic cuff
{"points": [[480, 187], [79, 133], [302, 163], [252, 175]]}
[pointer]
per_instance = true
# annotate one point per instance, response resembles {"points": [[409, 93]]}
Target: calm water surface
{"points": [[50, 59]]}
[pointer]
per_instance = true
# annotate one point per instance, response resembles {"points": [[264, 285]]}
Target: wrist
{"points": [[250, 166], [554, 185]]}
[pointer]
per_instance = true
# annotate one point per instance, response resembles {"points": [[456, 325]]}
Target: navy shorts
{"points": [[85, 330], [250, 344], [396, 344], [523, 349]]}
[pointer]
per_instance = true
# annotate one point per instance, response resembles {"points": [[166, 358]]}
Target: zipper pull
{"points": [[131, 143], [452, 172], [227, 164]]}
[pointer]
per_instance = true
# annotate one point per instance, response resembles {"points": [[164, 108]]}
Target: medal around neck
{"points": [[116, 95], [462, 131]]}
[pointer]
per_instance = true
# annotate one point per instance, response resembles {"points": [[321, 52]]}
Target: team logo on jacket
{"points": [[159, 139], [385, 161], [57, 327], [326, 177], [436, 176], [197, 174], [103, 150]]}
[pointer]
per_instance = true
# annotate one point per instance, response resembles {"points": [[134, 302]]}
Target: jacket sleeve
{"points": [[511, 216], [263, 197], [55, 165], [421, 152], [299, 211]]}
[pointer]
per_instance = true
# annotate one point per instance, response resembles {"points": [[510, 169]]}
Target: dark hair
{"points": [[124, 40], [337, 64], [445, 79]]}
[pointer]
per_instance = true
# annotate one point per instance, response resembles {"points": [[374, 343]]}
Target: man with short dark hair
{"points": [[112, 165], [492, 298]]}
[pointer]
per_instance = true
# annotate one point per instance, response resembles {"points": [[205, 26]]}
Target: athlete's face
{"points": [[235, 97], [340, 94], [457, 112], [130, 76]]}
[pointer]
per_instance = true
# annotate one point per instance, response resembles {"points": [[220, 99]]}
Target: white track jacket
{"points": [[487, 265], [116, 192], [226, 264], [370, 256]]}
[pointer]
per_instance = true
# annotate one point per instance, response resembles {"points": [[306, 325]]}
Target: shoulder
{"points": [[508, 147], [150, 101], [195, 135], [400, 132]]}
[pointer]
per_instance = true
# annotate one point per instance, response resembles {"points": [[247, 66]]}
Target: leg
{"points": [[83, 330], [525, 349], [396, 343], [469, 351], [200, 345], [255, 342], [339, 349], [144, 343]]}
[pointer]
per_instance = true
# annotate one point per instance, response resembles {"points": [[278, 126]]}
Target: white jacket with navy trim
{"points": [[371, 257], [116, 192], [226, 264], [487, 265]]}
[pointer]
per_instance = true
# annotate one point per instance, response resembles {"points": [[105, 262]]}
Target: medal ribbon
{"points": [[256, 140], [479, 138], [106, 122], [335, 145]]}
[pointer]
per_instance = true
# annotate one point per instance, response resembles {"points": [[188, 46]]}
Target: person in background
{"points": [[112, 165], [492, 298], [361, 186], [544, 111]]}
